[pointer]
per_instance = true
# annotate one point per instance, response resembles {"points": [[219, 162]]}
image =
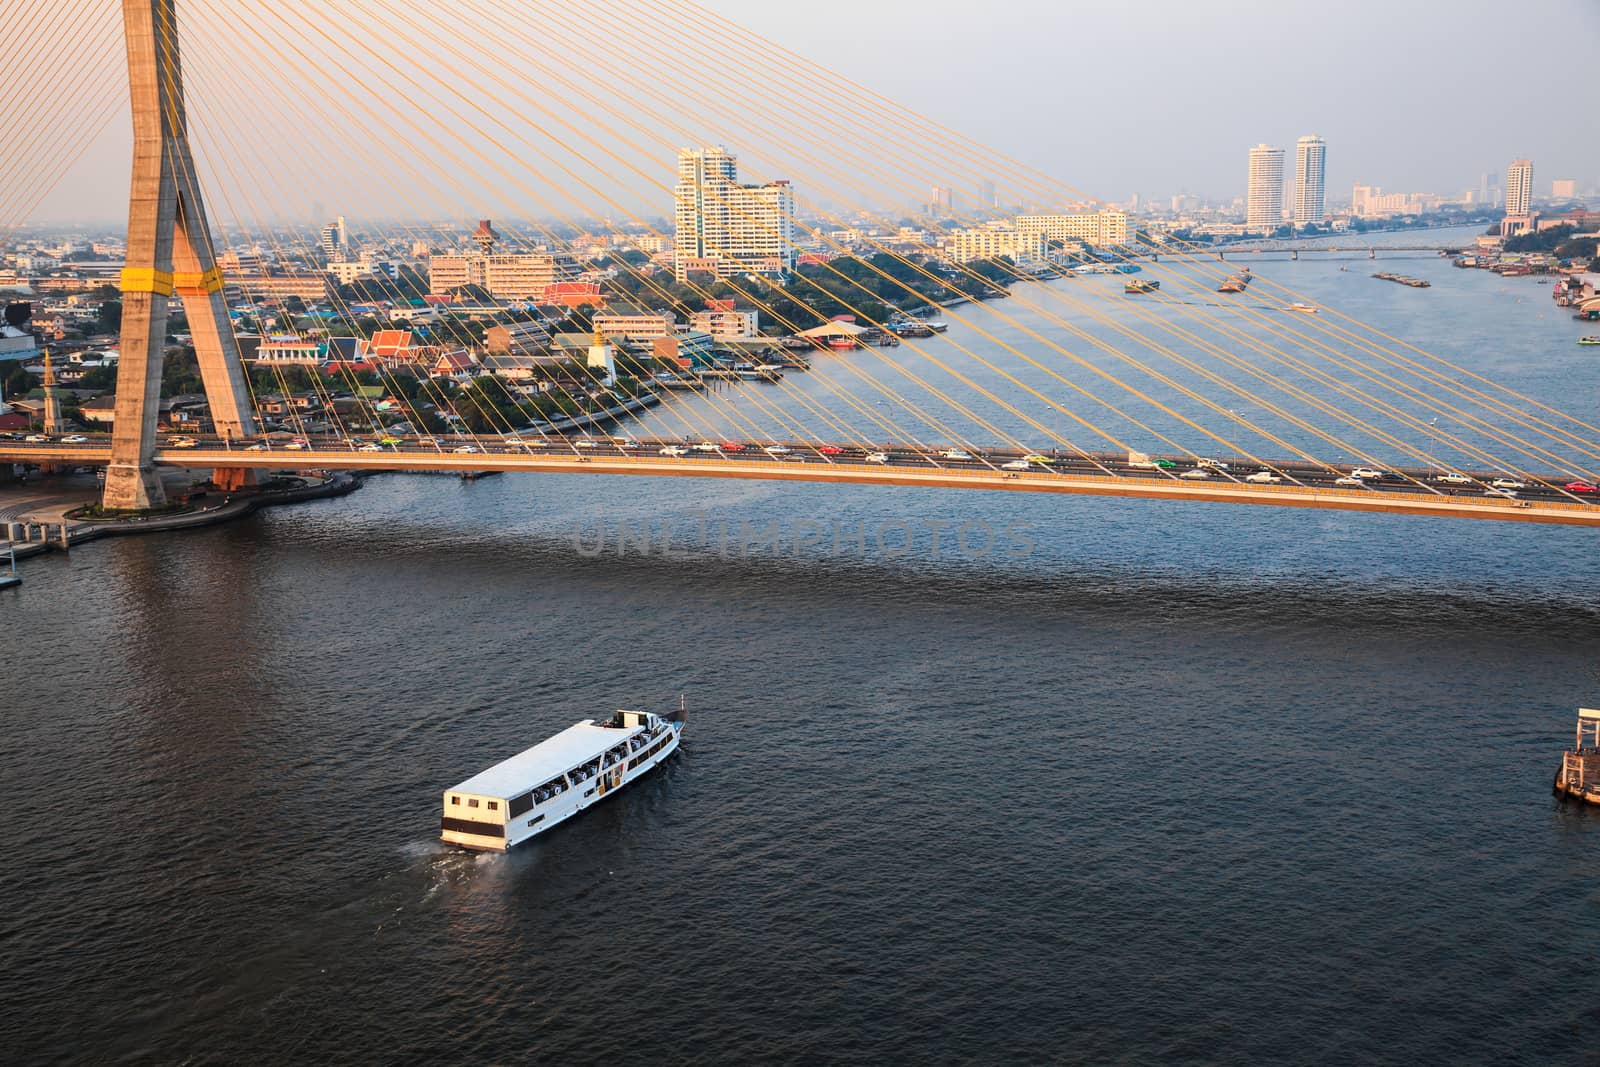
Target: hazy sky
{"points": [[1154, 97], [1159, 96]]}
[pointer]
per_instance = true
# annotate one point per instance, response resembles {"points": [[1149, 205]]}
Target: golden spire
{"points": [[49, 372]]}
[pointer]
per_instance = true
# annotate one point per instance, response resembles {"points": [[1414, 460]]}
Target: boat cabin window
{"points": [[494, 805], [455, 800], [472, 803]]}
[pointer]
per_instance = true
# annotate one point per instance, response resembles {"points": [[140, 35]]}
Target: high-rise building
{"points": [[335, 239], [964, 246], [941, 202], [1564, 189], [1264, 197], [1519, 188], [1310, 180], [726, 228], [506, 276], [1100, 228]]}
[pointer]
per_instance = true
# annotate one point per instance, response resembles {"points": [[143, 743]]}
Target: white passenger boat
{"points": [[532, 791]]}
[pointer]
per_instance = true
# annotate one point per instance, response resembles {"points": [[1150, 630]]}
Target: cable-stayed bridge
{"points": [[570, 125]]}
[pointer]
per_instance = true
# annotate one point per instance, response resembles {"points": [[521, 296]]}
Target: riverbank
{"points": [[49, 524]]}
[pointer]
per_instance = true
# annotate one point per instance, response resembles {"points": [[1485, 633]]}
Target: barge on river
{"points": [[1579, 776], [546, 785]]}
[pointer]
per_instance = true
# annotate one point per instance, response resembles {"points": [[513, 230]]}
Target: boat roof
{"points": [[533, 767], [1589, 713]]}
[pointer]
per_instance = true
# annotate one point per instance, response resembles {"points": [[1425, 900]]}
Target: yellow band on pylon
{"points": [[146, 280], [195, 282]]}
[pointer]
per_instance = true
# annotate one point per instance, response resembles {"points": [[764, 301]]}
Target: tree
{"points": [[1539, 241], [17, 382], [101, 378], [1578, 249]]}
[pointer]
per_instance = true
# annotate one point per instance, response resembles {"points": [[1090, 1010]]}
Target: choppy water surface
{"points": [[1182, 783]]}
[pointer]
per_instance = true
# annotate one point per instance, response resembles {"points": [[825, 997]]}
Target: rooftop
{"points": [[570, 748]]}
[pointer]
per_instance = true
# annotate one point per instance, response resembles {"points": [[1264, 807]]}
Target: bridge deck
{"points": [[1390, 500]]}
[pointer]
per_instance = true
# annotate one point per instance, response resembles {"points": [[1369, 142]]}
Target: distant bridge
{"points": [[1350, 251]]}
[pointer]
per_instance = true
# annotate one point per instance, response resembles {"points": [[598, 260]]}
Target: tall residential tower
{"points": [[1264, 200], [1519, 187], [1310, 180], [725, 228]]}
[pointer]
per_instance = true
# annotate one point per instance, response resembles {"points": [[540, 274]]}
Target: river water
{"points": [[1116, 781]]}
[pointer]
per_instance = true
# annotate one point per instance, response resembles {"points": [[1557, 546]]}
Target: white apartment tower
{"points": [[1519, 187], [1264, 200], [1310, 180], [335, 239], [726, 228]]}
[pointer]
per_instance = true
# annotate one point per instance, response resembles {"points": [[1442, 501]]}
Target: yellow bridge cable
{"points": [[948, 136]]}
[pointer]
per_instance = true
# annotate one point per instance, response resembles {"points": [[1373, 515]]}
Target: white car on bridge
{"points": [[877, 457], [1263, 478], [675, 451]]}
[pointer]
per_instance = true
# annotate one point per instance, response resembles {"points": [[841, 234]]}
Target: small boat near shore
{"points": [[1590, 340], [544, 786], [8, 568], [1309, 309], [1140, 286], [1579, 776]]}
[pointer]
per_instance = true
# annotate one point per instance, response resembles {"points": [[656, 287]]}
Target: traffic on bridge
{"points": [[1551, 498]]}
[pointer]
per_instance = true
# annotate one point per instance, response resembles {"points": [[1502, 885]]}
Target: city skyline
{"points": [[1450, 130]]}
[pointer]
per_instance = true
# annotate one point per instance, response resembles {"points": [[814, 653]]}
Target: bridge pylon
{"points": [[169, 252]]}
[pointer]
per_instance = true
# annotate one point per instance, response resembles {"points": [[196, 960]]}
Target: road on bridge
{"points": [[1552, 498]]}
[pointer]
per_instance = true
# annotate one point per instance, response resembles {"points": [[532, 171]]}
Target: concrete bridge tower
{"points": [[169, 252]]}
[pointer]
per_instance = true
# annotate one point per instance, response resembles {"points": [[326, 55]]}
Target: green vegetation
{"points": [[870, 288], [17, 382], [95, 511], [1557, 241]]}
